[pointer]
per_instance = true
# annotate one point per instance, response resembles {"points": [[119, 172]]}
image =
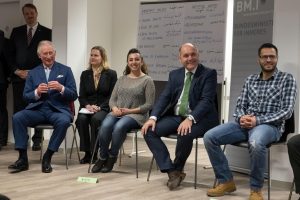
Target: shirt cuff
{"points": [[62, 90], [191, 116], [36, 95], [153, 117]]}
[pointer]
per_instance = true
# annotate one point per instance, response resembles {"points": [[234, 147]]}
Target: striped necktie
{"points": [[29, 35]]}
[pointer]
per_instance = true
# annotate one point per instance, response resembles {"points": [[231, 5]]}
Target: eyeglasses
{"points": [[271, 57]]}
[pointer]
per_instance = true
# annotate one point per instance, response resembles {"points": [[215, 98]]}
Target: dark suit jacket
{"points": [[4, 71], [23, 56], [60, 102], [201, 96], [89, 95]]}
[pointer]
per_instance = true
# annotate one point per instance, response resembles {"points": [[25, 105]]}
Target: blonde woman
{"points": [[96, 85]]}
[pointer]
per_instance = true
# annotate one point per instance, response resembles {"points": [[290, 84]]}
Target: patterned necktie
{"points": [[29, 35], [183, 107]]}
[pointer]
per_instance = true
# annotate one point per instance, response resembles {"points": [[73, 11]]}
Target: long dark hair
{"points": [[144, 65]]}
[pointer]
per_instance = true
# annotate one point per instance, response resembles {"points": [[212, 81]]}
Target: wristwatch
{"points": [[190, 118]]}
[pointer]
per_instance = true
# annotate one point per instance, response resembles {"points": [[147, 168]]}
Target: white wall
{"points": [[44, 12], [286, 34], [99, 26]]}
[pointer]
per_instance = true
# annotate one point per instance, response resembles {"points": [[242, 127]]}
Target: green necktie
{"points": [[183, 107]]}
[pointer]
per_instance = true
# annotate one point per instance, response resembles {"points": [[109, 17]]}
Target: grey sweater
{"points": [[134, 93]]}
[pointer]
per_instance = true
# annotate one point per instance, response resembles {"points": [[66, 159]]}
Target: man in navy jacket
{"points": [[167, 118], [23, 57], [49, 89]]}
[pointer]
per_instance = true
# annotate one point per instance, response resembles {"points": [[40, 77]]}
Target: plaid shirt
{"points": [[271, 101]]}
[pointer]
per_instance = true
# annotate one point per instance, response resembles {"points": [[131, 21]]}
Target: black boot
{"points": [[87, 158], [98, 165], [109, 165]]}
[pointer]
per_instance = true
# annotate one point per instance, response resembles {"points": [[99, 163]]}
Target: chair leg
{"points": [[136, 156], [66, 154], [269, 174], [150, 168], [76, 144], [196, 164], [94, 150], [71, 151], [291, 190], [42, 145], [74, 141], [120, 156]]}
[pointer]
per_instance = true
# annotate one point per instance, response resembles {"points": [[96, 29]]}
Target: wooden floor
{"points": [[62, 184]]}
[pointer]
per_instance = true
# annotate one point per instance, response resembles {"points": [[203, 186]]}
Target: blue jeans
{"points": [[114, 130], [258, 137]]}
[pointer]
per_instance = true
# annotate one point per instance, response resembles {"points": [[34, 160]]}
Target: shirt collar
{"points": [[45, 67], [258, 77], [33, 28], [193, 71]]}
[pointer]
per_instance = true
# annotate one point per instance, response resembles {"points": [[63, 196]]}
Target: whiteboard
{"points": [[164, 26]]}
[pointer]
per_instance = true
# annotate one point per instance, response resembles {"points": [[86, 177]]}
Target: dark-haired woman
{"points": [[131, 100]]}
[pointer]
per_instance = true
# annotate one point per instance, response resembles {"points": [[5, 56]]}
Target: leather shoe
{"points": [[46, 166], [175, 178], [85, 160], [109, 165], [18, 166], [98, 165], [36, 147]]}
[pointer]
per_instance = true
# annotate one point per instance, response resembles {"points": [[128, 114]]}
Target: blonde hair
{"points": [[104, 62]]}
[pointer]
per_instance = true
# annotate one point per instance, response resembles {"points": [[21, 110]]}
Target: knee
{"points": [[293, 143], [208, 137], [94, 120], [256, 147]]}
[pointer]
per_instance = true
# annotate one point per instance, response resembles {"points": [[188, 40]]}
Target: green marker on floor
{"points": [[87, 179]]}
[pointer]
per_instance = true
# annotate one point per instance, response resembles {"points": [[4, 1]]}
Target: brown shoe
{"points": [[256, 195], [175, 178], [221, 189]]}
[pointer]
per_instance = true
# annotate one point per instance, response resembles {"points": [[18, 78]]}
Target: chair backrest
{"points": [[289, 127]]}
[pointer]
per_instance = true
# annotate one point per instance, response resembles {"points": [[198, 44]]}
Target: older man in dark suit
{"points": [[4, 73], [49, 89], [186, 107], [24, 41]]}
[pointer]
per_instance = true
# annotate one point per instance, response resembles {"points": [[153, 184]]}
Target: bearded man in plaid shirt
{"points": [[266, 101]]}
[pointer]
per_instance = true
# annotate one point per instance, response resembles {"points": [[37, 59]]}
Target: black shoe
{"points": [[46, 166], [0, 147], [18, 166], [109, 165], [98, 165], [86, 159], [36, 147], [175, 178]]}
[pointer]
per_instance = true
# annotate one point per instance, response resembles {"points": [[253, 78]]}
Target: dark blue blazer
{"points": [[60, 102], [201, 96]]}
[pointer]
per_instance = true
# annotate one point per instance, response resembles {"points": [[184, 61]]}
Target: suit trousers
{"points": [[294, 155], [166, 126], [20, 104], [86, 122], [44, 114], [3, 115]]}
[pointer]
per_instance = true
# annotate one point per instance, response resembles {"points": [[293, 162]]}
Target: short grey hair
{"points": [[42, 43]]}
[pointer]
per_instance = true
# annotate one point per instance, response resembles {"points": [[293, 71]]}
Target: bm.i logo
{"points": [[247, 5]]}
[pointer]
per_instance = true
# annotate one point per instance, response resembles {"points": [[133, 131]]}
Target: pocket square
{"points": [[60, 76]]}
